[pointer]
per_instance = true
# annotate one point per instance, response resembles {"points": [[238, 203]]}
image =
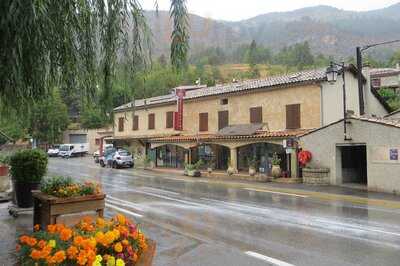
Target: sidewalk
{"points": [[353, 195]]}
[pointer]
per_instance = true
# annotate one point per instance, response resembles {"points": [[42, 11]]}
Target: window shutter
{"points": [[293, 116], [151, 121], [135, 122], [121, 124], [223, 119], [256, 115], [203, 122], [169, 120]]}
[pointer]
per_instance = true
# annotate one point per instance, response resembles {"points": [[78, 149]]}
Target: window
{"points": [[152, 121], [135, 122], [121, 124], [224, 101], [376, 82], [293, 116], [169, 123], [256, 115], [203, 122], [223, 119]]}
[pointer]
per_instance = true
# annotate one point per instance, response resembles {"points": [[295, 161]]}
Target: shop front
{"points": [[170, 156]]}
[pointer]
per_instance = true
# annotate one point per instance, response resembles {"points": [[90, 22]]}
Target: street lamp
{"points": [[332, 73], [359, 51]]}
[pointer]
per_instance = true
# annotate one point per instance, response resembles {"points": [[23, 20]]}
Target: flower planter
{"points": [[316, 176], [276, 171], [194, 173], [252, 171], [3, 170], [23, 193], [146, 258], [4, 178], [49, 209]]}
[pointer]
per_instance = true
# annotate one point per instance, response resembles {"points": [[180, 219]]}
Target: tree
{"points": [[73, 44], [48, 118], [93, 118]]}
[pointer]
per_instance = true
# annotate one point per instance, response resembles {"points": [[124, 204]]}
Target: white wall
{"points": [[379, 139], [332, 98]]}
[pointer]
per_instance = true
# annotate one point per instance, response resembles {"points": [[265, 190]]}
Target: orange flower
{"points": [[121, 219], [125, 242], [59, 256], [78, 240], [100, 222], [87, 219], [65, 234], [82, 258], [36, 227], [36, 254], [72, 251], [42, 244], [24, 239], [118, 247], [51, 228], [31, 241]]}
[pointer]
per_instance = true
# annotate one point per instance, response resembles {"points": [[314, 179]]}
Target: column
{"points": [[233, 162], [294, 168]]}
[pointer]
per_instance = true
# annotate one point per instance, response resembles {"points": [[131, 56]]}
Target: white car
{"points": [[54, 151], [117, 159]]}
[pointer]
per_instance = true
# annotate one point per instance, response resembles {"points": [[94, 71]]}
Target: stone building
{"points": [[91, 136], [228, 124]]}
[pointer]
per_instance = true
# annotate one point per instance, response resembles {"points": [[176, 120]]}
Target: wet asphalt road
{"points": [[199, 223]]}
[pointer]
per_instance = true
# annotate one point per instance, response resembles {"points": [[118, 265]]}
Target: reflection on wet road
{"points": [[196, 222]]}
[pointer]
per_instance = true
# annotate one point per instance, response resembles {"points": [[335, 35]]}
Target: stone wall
{"points": [[313, 176]]}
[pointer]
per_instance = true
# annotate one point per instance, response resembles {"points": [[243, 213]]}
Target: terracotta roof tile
{"points": [[300, 77], [211, 137]]}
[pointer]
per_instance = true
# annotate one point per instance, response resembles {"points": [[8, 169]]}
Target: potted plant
{"points": [[276, 168], [252, 162], [117, 241], [193, 169], [210, 166], [230, 170], [61, 196], [4, 178], [27, 170]]}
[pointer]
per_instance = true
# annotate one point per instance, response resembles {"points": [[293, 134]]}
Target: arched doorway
{"points": [[212, 155], [170, 156], [263, 153]]}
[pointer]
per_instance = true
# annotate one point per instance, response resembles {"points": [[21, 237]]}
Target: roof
{"points": [[376, 120], [201, 91], [240, 130], [384, 72], [210, 137]]}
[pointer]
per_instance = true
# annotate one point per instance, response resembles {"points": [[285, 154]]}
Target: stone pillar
{"points": [[234, 161], [294, 168], [190, 156]]}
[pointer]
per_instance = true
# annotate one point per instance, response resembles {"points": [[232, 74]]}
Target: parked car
{"points": [[72, 150], [53, 151], [117, 158]]}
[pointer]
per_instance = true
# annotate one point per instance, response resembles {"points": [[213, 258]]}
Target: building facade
{"points": [[386, 78], [229, 124], [91, 136]]}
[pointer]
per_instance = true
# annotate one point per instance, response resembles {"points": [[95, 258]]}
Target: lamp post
{"points": [[332, 73], [359, 51]]}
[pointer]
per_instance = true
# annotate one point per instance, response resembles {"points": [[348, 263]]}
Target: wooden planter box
{"points": [[49, 209]]}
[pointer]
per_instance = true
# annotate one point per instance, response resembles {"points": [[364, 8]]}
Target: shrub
{"points": [[28, 165], [4, 159], [275, 159]]}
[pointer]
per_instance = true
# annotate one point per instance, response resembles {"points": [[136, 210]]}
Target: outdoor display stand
{"points": [[47, 209]]}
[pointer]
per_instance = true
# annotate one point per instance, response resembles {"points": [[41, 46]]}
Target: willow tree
{"points": [[74, 45]]}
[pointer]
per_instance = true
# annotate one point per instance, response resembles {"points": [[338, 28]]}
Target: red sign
{"points": [[178, 116]]}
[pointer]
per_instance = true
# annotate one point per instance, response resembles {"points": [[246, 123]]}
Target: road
{"points": [[196, 222]]}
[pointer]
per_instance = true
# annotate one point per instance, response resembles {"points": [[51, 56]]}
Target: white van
{"points": [[71, 150]]}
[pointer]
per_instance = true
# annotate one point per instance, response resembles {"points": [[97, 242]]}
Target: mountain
{"points": [[329, 30]]}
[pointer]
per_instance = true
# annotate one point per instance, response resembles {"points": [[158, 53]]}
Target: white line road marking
{"points": [[276, 192], [267, 259], [123, 203], [123, 210]]}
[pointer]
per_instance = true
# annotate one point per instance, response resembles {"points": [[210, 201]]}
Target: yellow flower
{"points": [[118, 247], [52, 243], [97, 261], [99, 258], [120, 262], [111, 261]]}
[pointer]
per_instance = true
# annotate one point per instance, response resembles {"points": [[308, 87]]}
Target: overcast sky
{"points": [[243, 9]]}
